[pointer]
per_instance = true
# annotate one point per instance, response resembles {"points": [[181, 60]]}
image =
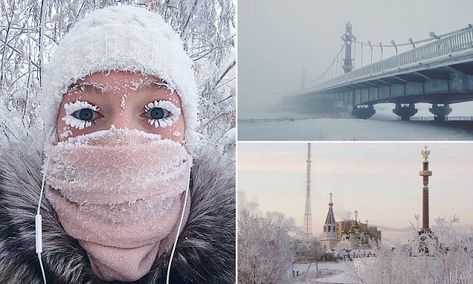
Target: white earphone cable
{"points": [[38, 221], [180, 223], [38, 224]]}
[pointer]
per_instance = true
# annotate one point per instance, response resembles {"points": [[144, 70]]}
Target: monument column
{"points": [[425, 174]]}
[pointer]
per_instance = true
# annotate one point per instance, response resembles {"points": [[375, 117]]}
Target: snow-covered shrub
{"points": [[449, 259], [265, 254], [307, 250]]}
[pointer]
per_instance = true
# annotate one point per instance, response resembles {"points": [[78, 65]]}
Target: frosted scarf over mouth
{"points": [[120, 193]]}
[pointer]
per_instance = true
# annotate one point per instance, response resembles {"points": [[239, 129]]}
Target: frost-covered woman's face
{"points": [[122, 100]]}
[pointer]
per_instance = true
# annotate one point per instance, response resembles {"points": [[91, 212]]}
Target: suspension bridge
{"points": [[437, 70]]}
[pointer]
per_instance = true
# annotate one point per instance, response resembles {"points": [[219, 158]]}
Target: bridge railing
{"points": [[460, 41]]}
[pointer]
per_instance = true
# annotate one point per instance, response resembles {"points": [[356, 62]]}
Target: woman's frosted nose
{"points": [[125, 120]]}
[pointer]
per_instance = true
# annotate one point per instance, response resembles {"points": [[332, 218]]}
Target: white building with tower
{"points": [[347, 234], [329, 236]]}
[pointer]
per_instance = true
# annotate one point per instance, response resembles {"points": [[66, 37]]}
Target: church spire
{"points": [[330, 220], [329, 238]]}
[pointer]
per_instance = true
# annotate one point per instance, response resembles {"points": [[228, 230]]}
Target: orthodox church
{"points": [[347, 234]]}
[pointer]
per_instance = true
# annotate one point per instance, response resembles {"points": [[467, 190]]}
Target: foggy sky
{"points": [[277, 39], [380, 180]]}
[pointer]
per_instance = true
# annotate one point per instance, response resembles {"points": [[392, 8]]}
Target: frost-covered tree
{"points": [[449, 259], [31, 29], [265, 252], [307, 249]]}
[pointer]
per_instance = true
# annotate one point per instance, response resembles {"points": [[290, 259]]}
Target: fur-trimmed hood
{"points": [[205, 252]]}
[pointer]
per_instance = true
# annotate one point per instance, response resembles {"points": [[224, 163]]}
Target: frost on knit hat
{"points": [[122, 38]]}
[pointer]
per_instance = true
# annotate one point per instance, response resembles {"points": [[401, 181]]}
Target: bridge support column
{"points": [[440, 111], [363, 111], [404, 111]]}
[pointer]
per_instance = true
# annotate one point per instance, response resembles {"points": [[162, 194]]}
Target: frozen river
{"points": [[353, 129], [382, 126]]}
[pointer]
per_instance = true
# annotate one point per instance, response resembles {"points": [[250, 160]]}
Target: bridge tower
{"points": [[348, 38], [308, 209]]}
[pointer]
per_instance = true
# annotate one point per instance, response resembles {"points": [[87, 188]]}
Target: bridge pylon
{"points": [[440, 111], [348, 38], [405, 111]]}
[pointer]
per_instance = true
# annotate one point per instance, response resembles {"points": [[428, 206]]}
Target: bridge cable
{"points": [[354, 54], [328, 69], [361, 54]]}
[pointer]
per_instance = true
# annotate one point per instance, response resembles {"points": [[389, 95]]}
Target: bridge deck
{"points": [[455, 50]]}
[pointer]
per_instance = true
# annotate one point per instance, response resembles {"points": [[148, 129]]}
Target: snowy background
{"points": [[30, 30]]}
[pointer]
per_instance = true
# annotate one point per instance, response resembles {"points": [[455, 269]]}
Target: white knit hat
{"points": [[120, 38]]}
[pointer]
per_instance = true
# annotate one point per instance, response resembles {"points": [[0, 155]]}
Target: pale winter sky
{"points": [[380, 180], [277, 39]]}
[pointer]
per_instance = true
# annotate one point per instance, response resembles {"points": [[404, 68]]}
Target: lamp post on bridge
{"points": [[394, 44], [381, 47]]}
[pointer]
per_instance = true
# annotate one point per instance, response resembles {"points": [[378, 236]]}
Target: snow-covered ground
{"points": [[351, 129], [330, 272], [384, 125]]}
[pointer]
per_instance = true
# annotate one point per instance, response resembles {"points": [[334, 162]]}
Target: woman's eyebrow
{"points": [[135, 85], [84, 85], [153, 83]]}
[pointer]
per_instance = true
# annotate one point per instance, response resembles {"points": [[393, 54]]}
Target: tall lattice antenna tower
{"points": [[308, 210]]}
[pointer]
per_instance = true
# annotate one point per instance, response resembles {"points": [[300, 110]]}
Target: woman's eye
{"points": [[80, 114], [161, 113], [85, 114], [158, 113]]}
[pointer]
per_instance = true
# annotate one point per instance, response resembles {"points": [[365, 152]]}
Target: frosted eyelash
{"points": [[174, 111], [70, 108]]}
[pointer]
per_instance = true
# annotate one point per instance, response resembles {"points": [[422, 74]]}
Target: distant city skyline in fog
{"points": [[278, 39], [380, 180]]}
